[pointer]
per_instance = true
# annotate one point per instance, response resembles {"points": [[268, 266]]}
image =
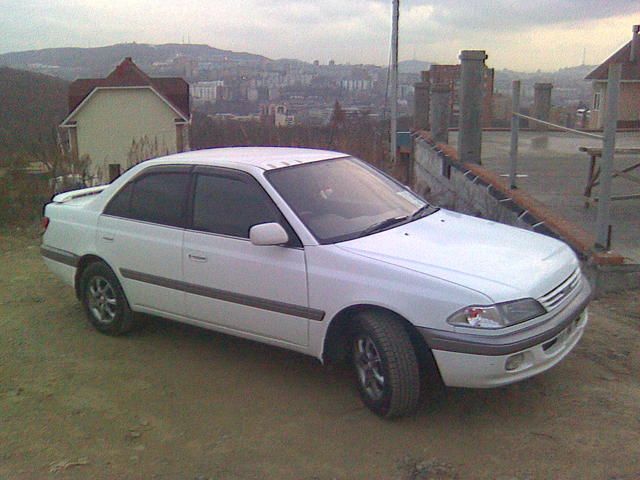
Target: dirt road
{"points": [[176, 402]]}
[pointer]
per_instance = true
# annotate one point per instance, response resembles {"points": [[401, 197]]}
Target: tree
{"points": [[338, 117], [338, 120], [144, 149]]}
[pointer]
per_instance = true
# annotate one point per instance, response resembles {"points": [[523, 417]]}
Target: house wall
{"points": [[628, 105], [111, 120]]}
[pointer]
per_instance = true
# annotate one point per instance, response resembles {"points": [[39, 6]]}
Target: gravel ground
{"points": [[176, 402]]}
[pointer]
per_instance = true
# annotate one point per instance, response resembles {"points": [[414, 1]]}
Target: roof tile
{"points": [[630, 70], [127, 74]]}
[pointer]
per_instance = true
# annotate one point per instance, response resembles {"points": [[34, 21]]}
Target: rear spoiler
{"points": [[72, 195]]}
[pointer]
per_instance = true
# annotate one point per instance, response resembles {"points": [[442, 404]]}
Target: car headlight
{"points": [[499, 315]]}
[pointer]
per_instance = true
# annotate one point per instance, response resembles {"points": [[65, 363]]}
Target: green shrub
{"points": [[22, 196]]}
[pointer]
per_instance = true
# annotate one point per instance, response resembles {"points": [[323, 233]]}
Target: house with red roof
{"points": [[125, 118], [629, 102]]}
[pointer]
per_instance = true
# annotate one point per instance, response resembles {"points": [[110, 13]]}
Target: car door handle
{"points": [[107, 238], [197, 258]]}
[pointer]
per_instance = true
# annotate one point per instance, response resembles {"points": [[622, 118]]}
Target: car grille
{"points": [[555, 297]]}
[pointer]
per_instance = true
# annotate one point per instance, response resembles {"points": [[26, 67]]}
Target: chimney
{"points": [[635, 44]]}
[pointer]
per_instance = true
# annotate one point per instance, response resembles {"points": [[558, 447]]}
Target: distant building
{"points": [[563, 115], [450, 75], [629, 101], [277, 114], [237, 118], [357, 80], [126, 118], [202, 92], [501, 110], [356, 85]]}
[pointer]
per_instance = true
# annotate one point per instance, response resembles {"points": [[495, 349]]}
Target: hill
{"points": [[71, 63], [31, 105]]}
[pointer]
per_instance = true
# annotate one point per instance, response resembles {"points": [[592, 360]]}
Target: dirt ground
{"points": [[177, 402]]}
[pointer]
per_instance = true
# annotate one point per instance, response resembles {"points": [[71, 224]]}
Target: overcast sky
{"points": [[517, 34]]}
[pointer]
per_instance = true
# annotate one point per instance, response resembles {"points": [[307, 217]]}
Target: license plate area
{"points": [[562, 336]]}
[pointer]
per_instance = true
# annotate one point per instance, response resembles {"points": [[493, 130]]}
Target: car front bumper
{"points": [[484, 361]]}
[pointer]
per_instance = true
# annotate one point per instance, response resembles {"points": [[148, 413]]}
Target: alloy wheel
{"points": [[368, 365], [101, 298]]}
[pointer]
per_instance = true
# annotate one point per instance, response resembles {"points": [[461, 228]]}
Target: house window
{"points": [[596, 101]]}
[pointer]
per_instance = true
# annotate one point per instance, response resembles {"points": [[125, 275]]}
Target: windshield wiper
{"points": [[383, 225], [390, 222], [423, 211]]}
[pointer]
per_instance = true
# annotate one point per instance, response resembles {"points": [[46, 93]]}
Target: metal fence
{"points": [[608, 149]]}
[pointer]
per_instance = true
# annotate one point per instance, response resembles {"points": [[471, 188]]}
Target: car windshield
{"points": [[344, 198]]}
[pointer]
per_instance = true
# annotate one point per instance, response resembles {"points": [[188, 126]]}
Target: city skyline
{"points": [[545, 35]]}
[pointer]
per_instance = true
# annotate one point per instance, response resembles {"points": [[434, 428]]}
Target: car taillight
{"points": [[44, 223]]}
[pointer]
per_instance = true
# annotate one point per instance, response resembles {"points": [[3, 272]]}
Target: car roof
{"points": [[265, 158]]}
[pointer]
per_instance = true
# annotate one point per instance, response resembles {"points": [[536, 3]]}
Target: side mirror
{"points": [[268, 234]]}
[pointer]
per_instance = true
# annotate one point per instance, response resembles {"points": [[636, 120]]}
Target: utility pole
{"points": [[515, 126], [394, 80]]}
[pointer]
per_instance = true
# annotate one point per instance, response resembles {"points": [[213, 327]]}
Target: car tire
{"points": [[104, 301], [386, 365]]}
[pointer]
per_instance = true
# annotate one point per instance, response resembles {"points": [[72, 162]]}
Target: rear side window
{"points": [[155, 198], [230, 205]]}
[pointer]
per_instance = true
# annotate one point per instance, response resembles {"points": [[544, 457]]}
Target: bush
{"points": [[22, 196]]}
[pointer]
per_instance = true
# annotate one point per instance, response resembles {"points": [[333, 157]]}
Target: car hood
{"points": [[499, 261]]}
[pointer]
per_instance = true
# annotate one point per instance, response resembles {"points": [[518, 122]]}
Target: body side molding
{"points": [[239, 298]]}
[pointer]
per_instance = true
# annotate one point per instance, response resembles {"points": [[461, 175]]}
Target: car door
{"points": [[258, 291], [140, 234]]}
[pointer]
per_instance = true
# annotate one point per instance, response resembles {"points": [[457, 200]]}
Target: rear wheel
{"points": [[105, 304], [386, 365]]}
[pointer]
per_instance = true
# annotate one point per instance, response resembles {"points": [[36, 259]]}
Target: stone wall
{"points": [[444, 181], [437, 174]]}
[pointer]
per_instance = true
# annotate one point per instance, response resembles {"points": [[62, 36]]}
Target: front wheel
{"points": [[386, 365], [105, 304]]}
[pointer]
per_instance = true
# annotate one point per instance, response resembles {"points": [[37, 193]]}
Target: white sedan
{"points": [[319, 252]]}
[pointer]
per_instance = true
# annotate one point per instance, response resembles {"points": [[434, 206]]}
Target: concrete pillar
{"points": [[608, 151], [470, 134], [440, 109], [421, 103], [542, 104], [515, 126]]}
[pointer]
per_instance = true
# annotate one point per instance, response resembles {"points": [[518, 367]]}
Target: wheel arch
{"points": [[83, 263], [341, 328]]}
